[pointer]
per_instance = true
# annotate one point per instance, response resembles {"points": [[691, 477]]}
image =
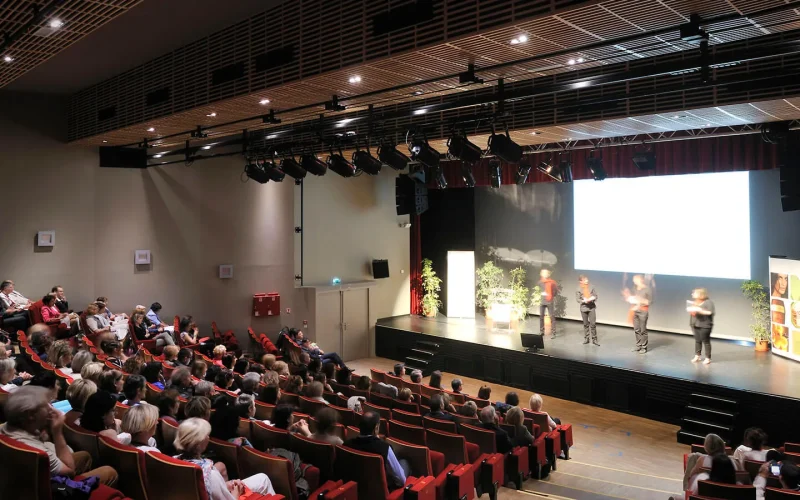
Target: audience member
{"points": [[98, 415], [225, 426], [327, 418], [171, 355], [61, 299], [789, 477], [153, 373], [189, 334], [363, 383], [368, 441], [314, 392], [112, 382], [469, 409], [168, 405], [246, 406], [535, 404], [79, 360], [722, 471], [295, 385], [98, 323], [51, 313], [39, 340], [267, 360], [198, 407], [152, 315], [181, 379], [77, 394], [212, 372], [15, 308], [405, 394], [185, 357], [205, 388], [192, 440], [8, 373], [283, 418], [457, 386], [110, 315], [436, 380], [229, 360], [224, 380], [399, 370], [386, 389], [752, 446], [29, 418], [270, 394], [522, 436], [113, 349], [240, 366], [437, 409], [485, 392], [135, 390], [250, 383], [488, 418], [141, 422], [713, 445], [91, 371], [314, 351], [447, 403], [416, 376], [342, 377], [218, 352], [329, 369], [133, 365], [49, 381], [323, 379], [199, 369]]}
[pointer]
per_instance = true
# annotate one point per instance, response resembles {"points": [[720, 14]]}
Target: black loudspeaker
{"points": [[115, 157], [411, 197], [380, 269]]}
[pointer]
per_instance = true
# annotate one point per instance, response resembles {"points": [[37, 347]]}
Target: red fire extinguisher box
{"points": [[266, 304]]}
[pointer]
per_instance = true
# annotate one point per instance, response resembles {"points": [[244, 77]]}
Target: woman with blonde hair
{"points": [[60, 356], [192, 440], [77, 394], [92, 371], [79, 360], [535, 404], [522, 436], [97, 323], [140, 423], [218, 352], [281, 368], [701, 319]]}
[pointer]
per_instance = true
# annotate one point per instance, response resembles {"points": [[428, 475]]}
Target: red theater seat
{"points": [[516, 461], [279, 470], [726, 491], [367, 470], [487, 469], [422, 462]]}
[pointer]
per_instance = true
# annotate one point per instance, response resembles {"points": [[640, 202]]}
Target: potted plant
{"points": [[519, 293], [490, 278], [431, 285], [759, 304]]}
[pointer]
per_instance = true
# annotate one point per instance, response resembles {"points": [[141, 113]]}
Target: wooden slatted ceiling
{"points": [[80, 18], [331, 47]]}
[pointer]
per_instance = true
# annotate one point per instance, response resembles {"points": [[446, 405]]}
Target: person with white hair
{"points": [[535, 404], [140, 423], [416, 376], [250, 382], [79, 360], [191, 440], [7, 373], [29, 417]]}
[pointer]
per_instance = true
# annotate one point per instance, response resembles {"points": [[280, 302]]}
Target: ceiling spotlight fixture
{"points": [[467, 175], [504, 148], [8, 59], [580, 60], [644, 159], [420, 111], [340, 165], [292, 168], [104, 141], [212, 114], [561, 172], [264, 102], [157, 156], [514, 41], [355, 79], [595, 166], [389, 155], [206, 147], [522, 173], [417, 92], [439, 178], [56, 23], [151, 129], [365, 162], [571, 62], [495, 172], [522, 38], [256, 172], [422, 152], [458, 146], [274, 173], [313, 164]]}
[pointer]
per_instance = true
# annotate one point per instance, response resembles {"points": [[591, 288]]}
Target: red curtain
{"points": [[416, 266], [714, 154]]}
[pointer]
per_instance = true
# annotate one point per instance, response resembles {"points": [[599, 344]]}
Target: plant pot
{"points": [[762, 345], [429, 314]]}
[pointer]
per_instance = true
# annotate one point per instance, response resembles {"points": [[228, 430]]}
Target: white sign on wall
{"points": [[784, 300]]}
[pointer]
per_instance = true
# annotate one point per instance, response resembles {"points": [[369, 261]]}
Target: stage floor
{"points": [[734, 366]]}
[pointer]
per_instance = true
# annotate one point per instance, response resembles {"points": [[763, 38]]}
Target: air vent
{"points": [[157, 96], [402, 17], [227, 73], [275, 58], [45, 31], [106, 113]]}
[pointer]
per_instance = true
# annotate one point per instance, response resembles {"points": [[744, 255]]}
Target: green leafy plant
{"points": [[536, 296], [431, 285], [519, 293], [490, 278], [759, 303]]}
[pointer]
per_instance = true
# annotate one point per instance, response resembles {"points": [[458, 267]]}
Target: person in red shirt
{"points": [[549, 290]]}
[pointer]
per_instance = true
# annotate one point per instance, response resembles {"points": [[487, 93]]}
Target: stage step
{"points": [[713, 402], [428, 345], [422, 357], [703, 427], [422, 353], [710, 414], [685, 437]]}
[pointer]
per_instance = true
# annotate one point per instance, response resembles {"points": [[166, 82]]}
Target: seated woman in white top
{"points": [[97, 323], [140, 423], [751, 447], [192, 440], [714, 446], [535, 404], [7, 373]]}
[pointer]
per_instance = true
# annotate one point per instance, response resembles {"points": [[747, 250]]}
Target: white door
{"points": [[329, 321], [356, 324]]}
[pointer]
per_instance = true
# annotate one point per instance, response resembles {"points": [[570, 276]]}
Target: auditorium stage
{"points": [[656, 385]]}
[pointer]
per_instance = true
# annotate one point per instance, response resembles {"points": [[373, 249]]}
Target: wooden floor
{"points": [[615, 455]]}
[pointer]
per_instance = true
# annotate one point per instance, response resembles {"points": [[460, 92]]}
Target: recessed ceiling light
{"points": [[157, 156], [571, 62], [522, 38], [104, 141], [263, 102], [708, 124], [272, 136], [417, 92], [535, 132], [151, 129], [206, 147], [355, 79], [580, 59], [420, 111], [8, 59], [56, 23], [514, 41], [212, 114]]}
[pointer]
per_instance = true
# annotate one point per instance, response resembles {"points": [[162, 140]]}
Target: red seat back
{"points": [[129, 462], [380, 410], [266, 437], [484, 438], [16, 456], [80, 439], [726, 491], [316, 453], [418, 457], [407, 406], [454, 446], [442, 425], [366, 469], [779, 494], [279, 470], [377, 375], [227, 453], [408, 418], [408, 433], [172, 479], [481, 403], [310, 406]]}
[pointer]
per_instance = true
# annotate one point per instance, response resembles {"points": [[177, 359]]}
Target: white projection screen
{"points": [[681, 225], [784, 298]]}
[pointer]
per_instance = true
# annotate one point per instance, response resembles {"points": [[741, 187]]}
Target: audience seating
{"points": [[384, 412], [698, 448], [458, 399], [279, 470], [726, 491], [245, 428], [36, 465], [408, 418], [289, 398], [266, 437], [351, 432], [264, 411], [310, 406], [377, 375], [367, 470], [481, 403], [442, 425], [426, 390], [338, 490], [516, 461], [172, 479], [58, 330], [380, 400], [148, 344], [168, 431], [152, 394], [228, 454], [407, 406], [791, 447], [537, 452], [564, 430], [317, 453], [408, 433], [419, 459], [129, 463], [779, 494], [346, 416], [488, 469], [461, 419], [80, 439]]}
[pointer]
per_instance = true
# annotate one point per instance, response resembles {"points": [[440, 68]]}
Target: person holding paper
{"points": [[587, 298], [701, 319], [640, 302], [549, 288]]}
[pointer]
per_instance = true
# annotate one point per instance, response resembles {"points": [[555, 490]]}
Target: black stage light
{"points": [[313, 165], [595, 166], [274, 173], [439, 178], [422, 152], [565, 166], [292, 168], [495, 172], [504, 148], [459, 147], [644, 160], [338, 164], [559, 173], [522, 172], [366, 162], [256, 172], [389, 155], [467, 175]]}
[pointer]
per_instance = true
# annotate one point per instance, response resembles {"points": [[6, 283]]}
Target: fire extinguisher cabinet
{"points": [[266, 304]]}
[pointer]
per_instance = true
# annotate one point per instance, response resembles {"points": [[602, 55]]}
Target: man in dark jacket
{"points": [[488, 418], [369, 442], [437, 409]]}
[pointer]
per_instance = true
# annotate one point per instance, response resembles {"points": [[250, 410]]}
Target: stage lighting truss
{"points": [[365, 162], [495, 172], [595, 167], [421, 151], [503, 147], [559, 172], [389, 155]]}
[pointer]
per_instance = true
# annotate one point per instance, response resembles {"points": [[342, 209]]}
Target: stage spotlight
{"points": [[292, 168], [645, 160], [422, 152], [366, 162], [274, 173], [338, 164], [439, 178], [256, 172], [467, 175], [595, 166], [559, 173], [522, 173], [389, 155], [313, 165], [504, 148], [495, 172], [459, 147]]}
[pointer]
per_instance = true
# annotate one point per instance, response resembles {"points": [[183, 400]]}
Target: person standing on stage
{"points": [[549, 288], [641, 306], [587, 298], [701, 321]]}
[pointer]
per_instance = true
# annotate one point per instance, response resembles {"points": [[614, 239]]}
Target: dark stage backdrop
{"points": [[537, 220]]}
